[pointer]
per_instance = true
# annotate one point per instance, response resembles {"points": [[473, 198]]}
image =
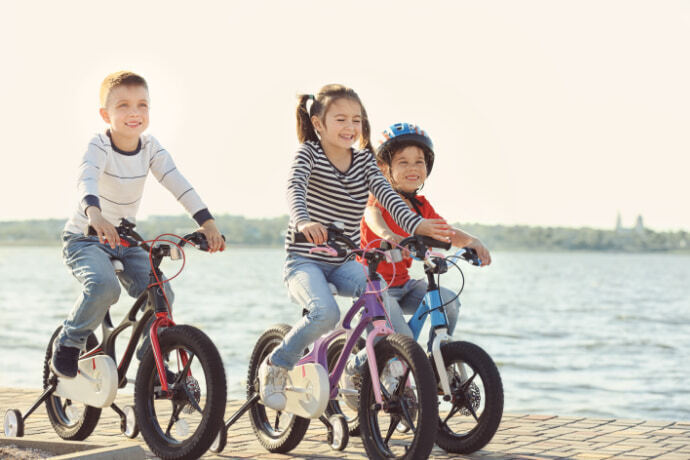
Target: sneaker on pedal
{"points": [[272, 380], [351, 380], [64, 362]]}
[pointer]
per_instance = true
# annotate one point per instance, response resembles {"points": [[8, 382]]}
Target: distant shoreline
{"points": [[269, 232]]}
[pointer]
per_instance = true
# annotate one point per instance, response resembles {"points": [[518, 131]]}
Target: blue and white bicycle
{"points": [[470, 391]]}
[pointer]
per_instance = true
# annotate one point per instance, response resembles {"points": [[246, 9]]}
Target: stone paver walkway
{"points": [[519, 436]]}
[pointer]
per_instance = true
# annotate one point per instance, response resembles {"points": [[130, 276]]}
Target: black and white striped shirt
{"points": [[317, 191]]}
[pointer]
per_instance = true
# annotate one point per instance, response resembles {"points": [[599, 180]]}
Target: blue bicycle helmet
{"points": [[402, 135]]}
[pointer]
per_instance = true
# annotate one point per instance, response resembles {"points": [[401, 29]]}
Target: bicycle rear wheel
{"points": [[184, 424], [470, 419], [405, 427], [71, 420], [277, 431]]}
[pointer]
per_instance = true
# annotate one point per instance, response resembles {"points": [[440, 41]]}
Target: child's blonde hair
{"points": [[120, 78]]}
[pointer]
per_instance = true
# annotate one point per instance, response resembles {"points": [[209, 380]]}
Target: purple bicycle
{"points": [[398, 387]]}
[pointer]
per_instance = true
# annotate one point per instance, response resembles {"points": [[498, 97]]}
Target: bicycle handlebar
{"points": [[130, 238]]}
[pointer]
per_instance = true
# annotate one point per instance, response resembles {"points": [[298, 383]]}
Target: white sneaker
{"points": [[391, 374], [351, 382], [272, 381]]}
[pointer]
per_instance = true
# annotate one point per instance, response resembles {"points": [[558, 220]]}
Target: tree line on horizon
{"points": [[242, 231]]}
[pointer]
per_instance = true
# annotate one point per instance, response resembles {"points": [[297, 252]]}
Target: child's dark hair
{"points": [[120, 78], [321, 103]]}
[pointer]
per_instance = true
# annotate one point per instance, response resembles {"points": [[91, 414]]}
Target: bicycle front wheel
{"points": [[406, 424], [184, 423], [470, 419]]}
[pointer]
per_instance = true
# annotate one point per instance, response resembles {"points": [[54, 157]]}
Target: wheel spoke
{"points": [[408, 417], [174, 417], [472, 411], [185, 369], [394, 423], [403, 382], [452, 412], [466, 384]]}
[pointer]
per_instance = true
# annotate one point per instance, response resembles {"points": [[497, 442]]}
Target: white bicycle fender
{"points": [[95, 384]]}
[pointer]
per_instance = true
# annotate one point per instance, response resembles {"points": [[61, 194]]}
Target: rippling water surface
{"points": [[600, 335]]}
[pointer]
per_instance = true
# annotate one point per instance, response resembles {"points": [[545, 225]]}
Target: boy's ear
{"points": [[104, 115]]}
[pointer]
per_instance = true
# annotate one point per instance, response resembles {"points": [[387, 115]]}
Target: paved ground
{"points": [[519, 436]]}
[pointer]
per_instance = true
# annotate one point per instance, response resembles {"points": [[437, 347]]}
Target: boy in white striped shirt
{"points": [[111, 182]]}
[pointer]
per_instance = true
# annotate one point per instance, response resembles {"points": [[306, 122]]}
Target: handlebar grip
{"points": [[298, 237], [431, 242]]}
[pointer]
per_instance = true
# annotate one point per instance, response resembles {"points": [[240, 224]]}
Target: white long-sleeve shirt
{"points": [[114, 181]]}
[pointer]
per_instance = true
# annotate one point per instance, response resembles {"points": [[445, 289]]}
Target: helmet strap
{"points": [[412, 198]]}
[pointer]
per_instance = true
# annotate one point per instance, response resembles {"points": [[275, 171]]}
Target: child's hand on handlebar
{"points": [[482, 251], [314, 232], [104, 229], [437, 229], [213, 236]]}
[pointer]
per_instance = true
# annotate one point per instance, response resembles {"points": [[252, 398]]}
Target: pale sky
{"points": [[541, 112]]}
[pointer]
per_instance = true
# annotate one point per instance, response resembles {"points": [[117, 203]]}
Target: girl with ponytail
{"points": [[329, 181]]}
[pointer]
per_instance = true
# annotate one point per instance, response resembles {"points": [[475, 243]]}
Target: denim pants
{"points": [[307, 283], [89, 261]]}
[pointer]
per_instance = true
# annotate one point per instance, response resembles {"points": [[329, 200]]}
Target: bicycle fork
{"points": [[380, 329]]}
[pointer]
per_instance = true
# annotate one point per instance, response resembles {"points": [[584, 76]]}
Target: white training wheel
{"points": [[220, 440], [129, 425], [14, 424], [340, 435]]}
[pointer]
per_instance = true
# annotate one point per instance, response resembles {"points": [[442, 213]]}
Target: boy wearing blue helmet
{"points": [[406, 157]]}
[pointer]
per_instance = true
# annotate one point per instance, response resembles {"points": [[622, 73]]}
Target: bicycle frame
{"points": [[432, 305], [373, 313]]}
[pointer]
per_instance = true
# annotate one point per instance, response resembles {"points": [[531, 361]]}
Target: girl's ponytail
{"points": [[305, 129]]}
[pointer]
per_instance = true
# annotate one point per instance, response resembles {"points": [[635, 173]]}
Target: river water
{"points": [[580, 334]]}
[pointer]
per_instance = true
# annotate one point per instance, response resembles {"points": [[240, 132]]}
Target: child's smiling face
{"points": [[408, 169], [341, 126], [127, 111]]}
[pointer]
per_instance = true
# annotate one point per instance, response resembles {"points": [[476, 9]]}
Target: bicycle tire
{"points": [[67, 427], [335, 405], [271, 437], [208, 376], [485, 395], [424, 428]]}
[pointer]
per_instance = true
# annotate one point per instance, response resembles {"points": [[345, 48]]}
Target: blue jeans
{"points": [[307, 283], [90, 263]]}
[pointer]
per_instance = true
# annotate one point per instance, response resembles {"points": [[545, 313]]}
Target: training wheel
{"points": [[14, 424], [128, 424], [339, 436], [219, 442]]}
